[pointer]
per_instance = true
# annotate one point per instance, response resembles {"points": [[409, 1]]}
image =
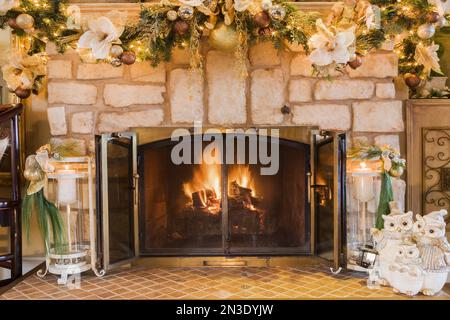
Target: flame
{"points": [[242, 175], [208, 176]]}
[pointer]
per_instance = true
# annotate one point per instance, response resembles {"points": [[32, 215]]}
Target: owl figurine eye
{"points": [[412, 252], [400, 252], [405, 224], [390, 224], [419, 225], [434, 230]]}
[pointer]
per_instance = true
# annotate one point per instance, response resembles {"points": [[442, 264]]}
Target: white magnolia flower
{"points": [[242, 5], [6, 5], [372, 17], [266, 4], [192, 3], [331, 46], [100, 37], [427, 56], [22, 71], [442, 6]]}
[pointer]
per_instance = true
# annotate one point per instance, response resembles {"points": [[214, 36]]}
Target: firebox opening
{"points": [[224, 209]]}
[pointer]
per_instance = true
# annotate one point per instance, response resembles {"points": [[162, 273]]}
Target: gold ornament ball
{"points": [[432, 17], [172, 15], [116, 62], [128, 58], [186, 12], [277, 12], [12, 23], [412, 80], [262, 19], [223, 37], [181, 27], [116, 51], [426, 31], [356, 62], [397, 172], [22, 93], [25, 21]]}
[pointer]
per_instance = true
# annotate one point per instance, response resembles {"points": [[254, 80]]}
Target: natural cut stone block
{"points": [[145, 72], [301, 66], [72, 93], [79, 145], [115, 121], [186, 95], [385, 90], [118, 95], [226, 84], [300, 90], [391, 140], [82, 122], [57, 120], [377, 65], [180, 56], [93, 71], [326, 116], [343, 89], [267, 96], [378, 116], [264, 54], [59, 69], [51, 49]]}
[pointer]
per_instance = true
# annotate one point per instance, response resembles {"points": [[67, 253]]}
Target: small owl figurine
{"points": [[397, 230], [407, 275], [429, 233]]}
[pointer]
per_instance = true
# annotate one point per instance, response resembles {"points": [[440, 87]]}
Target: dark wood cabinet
{"points": [[10, 198]]}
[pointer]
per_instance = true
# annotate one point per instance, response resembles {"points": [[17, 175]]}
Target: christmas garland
{"points": [[353, 29]]}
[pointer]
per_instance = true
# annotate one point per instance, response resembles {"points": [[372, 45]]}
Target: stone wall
{"points": [[85, 99]]}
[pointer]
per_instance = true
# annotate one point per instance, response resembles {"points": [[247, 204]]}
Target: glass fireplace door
{"points": [[269, 214], [328, 187], [117, 198]]}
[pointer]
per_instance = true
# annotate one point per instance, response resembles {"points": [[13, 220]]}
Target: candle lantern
{"points": [[70, 188], [362, 179]]}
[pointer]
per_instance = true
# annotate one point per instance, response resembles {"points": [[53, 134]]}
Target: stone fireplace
{"points": [[183, 216]]}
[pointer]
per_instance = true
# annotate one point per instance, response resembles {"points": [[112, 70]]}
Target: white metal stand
{"points": [[76, 262]]}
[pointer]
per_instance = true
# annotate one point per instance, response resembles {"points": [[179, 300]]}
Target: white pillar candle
{"points": [[67, 186], [364, 183]]}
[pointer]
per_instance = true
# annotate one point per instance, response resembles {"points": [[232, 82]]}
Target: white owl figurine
{"points": [[397, 230], [407, 275], [429, 233]]}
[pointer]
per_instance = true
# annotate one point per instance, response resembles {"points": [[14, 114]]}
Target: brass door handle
{"points": [[136, 188]]}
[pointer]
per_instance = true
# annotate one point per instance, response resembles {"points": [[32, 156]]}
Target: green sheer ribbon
{"points": [[386, 196]]}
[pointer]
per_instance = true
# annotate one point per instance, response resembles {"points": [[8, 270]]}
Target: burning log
{"points": [[199, 199]]}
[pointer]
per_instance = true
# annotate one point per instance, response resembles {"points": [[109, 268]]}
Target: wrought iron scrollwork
{"points": [[436, 170]]}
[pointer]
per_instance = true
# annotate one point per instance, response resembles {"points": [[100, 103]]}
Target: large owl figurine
{"points": [[429, 233], [407, 275], [397, 230]]}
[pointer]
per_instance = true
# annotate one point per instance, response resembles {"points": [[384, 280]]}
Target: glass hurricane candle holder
{"points": [[70, 188], [362, 178]]}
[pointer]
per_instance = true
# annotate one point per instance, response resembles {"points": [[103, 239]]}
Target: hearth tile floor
{"points": [[307, 282]]}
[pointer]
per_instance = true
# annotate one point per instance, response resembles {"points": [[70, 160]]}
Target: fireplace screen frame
{"points": [[226, 248], [317, 138]]}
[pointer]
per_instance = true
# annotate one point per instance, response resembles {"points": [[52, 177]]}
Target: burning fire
{"points": [[206, 177], [241, 174], [204, 189]]}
